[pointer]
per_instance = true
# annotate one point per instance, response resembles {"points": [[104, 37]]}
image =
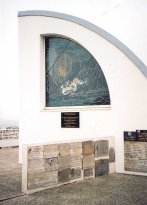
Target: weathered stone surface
{"points": [[76, 161], [64, 162], [64, 149], [101, 148], [88, 161], [64, 175], [51, 164], [36, 165], [101, 167], [135, 156], [76, 173], [76, 148], [87, 148], [88, 173], [45, 179], [35, 152], [50, 151], [111, 154]]}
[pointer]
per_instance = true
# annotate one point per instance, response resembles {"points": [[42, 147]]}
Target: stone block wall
{"points": [[51, 165]]}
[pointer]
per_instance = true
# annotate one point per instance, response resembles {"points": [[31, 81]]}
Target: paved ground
{"points": [[116, 189]]}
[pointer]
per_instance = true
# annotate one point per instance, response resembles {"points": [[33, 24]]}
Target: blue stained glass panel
{"points": [[73, 76]]}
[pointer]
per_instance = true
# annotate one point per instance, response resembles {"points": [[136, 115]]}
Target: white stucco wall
{"points": [[127, 86]]}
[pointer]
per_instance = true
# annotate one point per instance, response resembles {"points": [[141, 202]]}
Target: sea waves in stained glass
{"points": [[73, 76]]}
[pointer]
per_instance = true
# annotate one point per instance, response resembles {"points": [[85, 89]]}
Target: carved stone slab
{"points": [[35, 152], [101, 148], [101, 167], [46, 179], [136, 156], [111, 154], [64, 149], [76, 148], [76, 161], [51, 164], [36, 165], [50, 151], [64, 162], [76, 173], [64, 175], [88, 161], [88, 173], [87, 148]]}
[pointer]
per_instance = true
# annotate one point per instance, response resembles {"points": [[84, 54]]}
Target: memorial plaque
{"points": [[101, 148], [136, 156], [50, 151], [46, 179], [111, 154], [64, 162], [64, 149], [76, 173], [88, 173], [87, 148], [88, 161], [141, 135], [36, 165], [130, 136], [76, 148], [35, 152], [101, 167], [64, 175], [70, 119], [51, 164], [76, 161]]}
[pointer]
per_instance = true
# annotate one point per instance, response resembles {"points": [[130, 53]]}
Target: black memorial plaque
{"points": [[141, 135], [70, 120], [130, 136], [101, 167]]}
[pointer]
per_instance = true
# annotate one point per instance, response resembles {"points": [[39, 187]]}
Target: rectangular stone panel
{"points": [[111, 154], [87, 148], [64, 162], [36, 165], [88, 161], [101, 148], [76, 173], [88, 173], [76, 148], [39, 180], [101, 167], [64, 149], [76, 161], [135, 156], [35, 152], [51, 164], [50, 151], [64, 175]]}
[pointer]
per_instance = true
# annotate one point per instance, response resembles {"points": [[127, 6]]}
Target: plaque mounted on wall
{"points": [[130, 136], [70, 120], [141, 135]]}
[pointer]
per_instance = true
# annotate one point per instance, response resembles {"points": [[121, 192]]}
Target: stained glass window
{"points": [[73, 76]]}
